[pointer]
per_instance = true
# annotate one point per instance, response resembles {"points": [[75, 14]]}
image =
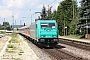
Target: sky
{"points": [[23, 11]]}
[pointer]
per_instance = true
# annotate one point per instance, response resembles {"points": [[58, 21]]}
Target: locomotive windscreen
{"points": [[47, 25]]}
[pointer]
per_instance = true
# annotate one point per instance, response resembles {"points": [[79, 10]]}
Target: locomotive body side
{"points": [[33, 31]]}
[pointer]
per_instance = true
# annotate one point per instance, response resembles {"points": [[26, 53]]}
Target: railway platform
{"points": [[22, 51], [80, 40]]}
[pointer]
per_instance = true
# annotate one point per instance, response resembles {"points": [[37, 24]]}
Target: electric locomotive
{"points": [[44, 32]]}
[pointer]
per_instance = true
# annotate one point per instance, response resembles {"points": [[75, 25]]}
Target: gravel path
{"points": [[76, 51], [3, 44], [22, 51], [39, 52], [3, 41]]}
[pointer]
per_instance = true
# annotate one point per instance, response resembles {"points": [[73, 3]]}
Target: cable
{"points": [[52, 2]]}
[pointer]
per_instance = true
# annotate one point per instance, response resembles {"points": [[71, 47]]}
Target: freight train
{"points": [[43, 32]]}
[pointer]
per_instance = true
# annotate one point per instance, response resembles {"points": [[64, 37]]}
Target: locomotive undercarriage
{"points": [[48, 42], [44, 42]]}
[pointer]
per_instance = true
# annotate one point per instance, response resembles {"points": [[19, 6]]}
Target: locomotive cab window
{"points": [[48, 25]]}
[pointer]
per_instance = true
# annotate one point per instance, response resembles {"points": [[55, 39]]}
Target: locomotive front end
{"points": [[48, 33]]}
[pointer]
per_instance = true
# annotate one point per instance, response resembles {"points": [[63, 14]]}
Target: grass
{"points": [[14, 38], [13, 35], [10, 48], [76, 37], [21, 52], [2, 32], [13, 46]]}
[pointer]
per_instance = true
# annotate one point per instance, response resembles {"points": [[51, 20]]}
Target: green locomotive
{"points": [[44, 32]]}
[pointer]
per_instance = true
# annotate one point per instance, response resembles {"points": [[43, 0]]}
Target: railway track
{"points": [[81, 45], [60, 54]]}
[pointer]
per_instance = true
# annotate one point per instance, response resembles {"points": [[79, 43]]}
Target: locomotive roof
{"points": [[46, 21]]}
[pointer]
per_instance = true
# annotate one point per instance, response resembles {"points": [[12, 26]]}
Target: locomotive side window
{"points": [[48, 25]]}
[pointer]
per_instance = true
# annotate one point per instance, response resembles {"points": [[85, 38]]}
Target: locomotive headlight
{"points": [[42, 36], [54, 36]]}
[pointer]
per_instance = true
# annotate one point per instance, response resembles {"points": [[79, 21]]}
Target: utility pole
{"points": [[86, 27], [23, 20], [4, 24], [20, 22], [31, 19], [73, 9], [73, 12], [64, 28], [13, 23]]}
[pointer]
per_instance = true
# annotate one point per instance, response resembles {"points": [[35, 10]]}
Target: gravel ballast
{"points": [[78, 52], [39, 52]]}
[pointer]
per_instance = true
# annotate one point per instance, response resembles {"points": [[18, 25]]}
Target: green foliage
{"points": [[5, 26], [84, 16], [2, 32], [49, 13], [21, 52], [10, 50], [43, 13], [64, 16], [16, 59], [54, 15], [0, 26], [14, 40], [74, 36], [46, 14], [13, 35], [10, 46]]}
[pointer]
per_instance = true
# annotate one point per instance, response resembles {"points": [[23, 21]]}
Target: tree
{"points": [[46, 14], [49, 13], [54, 15], [0, 27], [64, 16], [6, 26], [43, 13], [84, 17]]}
